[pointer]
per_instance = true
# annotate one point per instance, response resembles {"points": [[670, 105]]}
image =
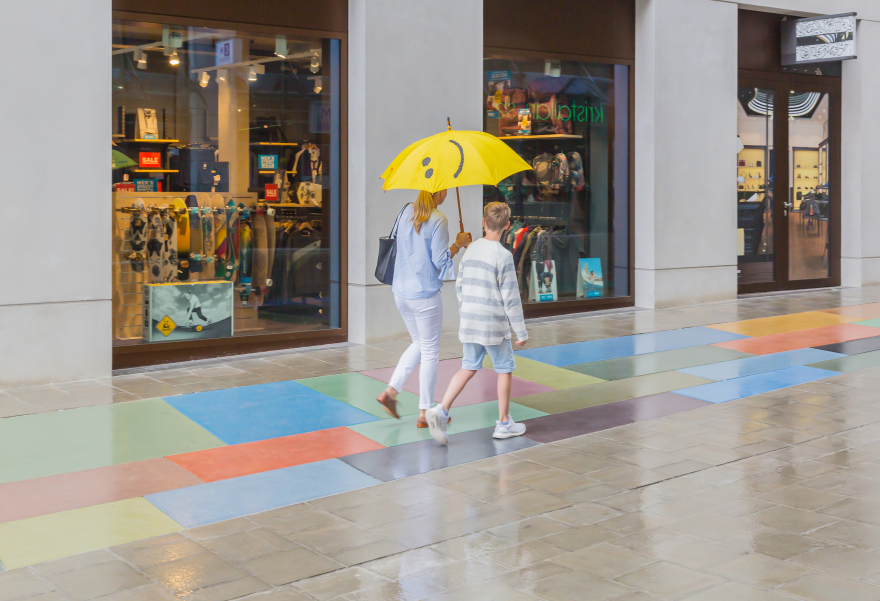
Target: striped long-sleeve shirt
{"points": [[488, 295]]}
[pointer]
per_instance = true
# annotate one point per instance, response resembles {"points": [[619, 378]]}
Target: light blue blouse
{"points": [[423, 259]]}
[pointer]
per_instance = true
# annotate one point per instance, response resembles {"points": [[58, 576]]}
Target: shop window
{"points": [[226, 183], [569, 230]]}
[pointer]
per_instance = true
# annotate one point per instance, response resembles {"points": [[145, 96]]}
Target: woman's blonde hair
{"points": [[422, 208]]}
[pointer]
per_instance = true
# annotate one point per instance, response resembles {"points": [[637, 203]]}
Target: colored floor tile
{"points": [[757, 365], [780, 324], [41, 496], [728, 390], [227, 499], [789, 341], [239, 415], [482, 388], [390, 433], [272, 454], [559, 426], [849, 363], [360, 391], [853, 347], [611, 348], [561, 401], [58, 442], [652, 363], [874, 323], [57, 535], [869, 311], [426, 455], [548, 375]]}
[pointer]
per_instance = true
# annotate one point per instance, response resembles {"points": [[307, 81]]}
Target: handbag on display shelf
{"points": [[388, 253]]}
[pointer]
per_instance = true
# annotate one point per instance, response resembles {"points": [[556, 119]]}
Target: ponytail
{"points": [[422, 208]]}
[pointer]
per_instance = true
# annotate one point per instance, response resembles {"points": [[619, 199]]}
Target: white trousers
{"points": [[424, 321]]}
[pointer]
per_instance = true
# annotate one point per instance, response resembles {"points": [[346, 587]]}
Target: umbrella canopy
{"points": [[451, 159], [120, 160]]}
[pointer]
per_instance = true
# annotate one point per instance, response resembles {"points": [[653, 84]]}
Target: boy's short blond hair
{"points": [[497, 216]]}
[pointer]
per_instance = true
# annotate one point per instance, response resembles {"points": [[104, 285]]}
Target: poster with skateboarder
{"points": [[188, 311]]}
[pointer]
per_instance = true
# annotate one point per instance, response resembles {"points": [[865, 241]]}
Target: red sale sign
{"points": [[149, 160], [271, 193]]}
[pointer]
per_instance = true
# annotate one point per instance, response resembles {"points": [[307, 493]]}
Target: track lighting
{"points": [[315, 64], [281, 46], [174, 59], [204, 78], [141, 58], [221, 75], [318, 81], [252, 73]]}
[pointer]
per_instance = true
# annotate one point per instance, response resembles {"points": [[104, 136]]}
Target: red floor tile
{"points": [[41, 496], [272, 454], [789, 341], [481, 389], [869, 311]]}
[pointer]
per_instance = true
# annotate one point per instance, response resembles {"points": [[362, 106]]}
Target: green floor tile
{"points": [[464, 419], [360, 391], [850, 363], [560, 401], [57, 535], [874, 323], [548, 375], [652, 363], [46, 444]]}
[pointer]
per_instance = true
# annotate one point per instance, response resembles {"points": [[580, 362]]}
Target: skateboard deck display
{"points": [[269, 219], [137, 235], [155, 246], [207, 236], [195, 236], [183, 233], [170, 265], [232, 241], [218, 205], [246, 254], [261, 249]]}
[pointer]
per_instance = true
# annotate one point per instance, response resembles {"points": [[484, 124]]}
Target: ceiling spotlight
{"points": [[221, 75], [315, 64], [281, 46], [318, 81], [204, 78], [173, 58], [252, 73], [141, 58]]}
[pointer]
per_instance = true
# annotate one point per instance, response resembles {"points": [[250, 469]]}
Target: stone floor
{"points": [[762, 496]]}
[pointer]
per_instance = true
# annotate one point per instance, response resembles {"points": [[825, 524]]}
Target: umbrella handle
{"points": [[460, 222]]}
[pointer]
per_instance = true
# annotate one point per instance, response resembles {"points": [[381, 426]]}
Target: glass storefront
{"points": [[570, 223], [226, 183]]}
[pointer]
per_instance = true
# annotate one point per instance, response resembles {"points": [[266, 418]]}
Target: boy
{"points": [[489, 305]]}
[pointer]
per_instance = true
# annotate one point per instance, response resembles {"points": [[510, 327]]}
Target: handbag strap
{"points": [[396, 221]]}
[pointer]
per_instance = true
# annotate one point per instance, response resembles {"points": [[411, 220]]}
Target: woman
{"points": [[424, 260]]}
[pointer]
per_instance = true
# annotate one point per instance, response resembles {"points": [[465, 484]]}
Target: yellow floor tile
{"points": [[781, 324], [57, 535], [548, 375]]}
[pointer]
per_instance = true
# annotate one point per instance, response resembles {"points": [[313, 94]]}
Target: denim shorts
{"points": [[501, 355]]}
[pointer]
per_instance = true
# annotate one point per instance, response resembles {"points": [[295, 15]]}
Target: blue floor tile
{"points": [[236, 497], [737, 388], [627, 346], [264, 411], [749, 366]]}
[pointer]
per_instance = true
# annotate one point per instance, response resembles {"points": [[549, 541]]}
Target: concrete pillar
{"points": [[685, 150], [860, 156], [55, 270], [412, 64]]}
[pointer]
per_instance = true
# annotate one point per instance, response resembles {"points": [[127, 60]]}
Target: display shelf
{"points": [[542, 137], [155, 171], [143, 141], [274, 144]]}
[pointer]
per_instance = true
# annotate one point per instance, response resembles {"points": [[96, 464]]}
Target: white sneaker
{"points": [[437, 423], [508, 430]]}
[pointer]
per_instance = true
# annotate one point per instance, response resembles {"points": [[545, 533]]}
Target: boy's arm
{"points": [[458, 279], [510, 295]]}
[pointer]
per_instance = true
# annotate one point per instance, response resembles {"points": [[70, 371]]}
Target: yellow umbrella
{"points": [[451, 159]]}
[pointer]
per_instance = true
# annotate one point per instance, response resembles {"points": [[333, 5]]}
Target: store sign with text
{"points": [[150, 160], [819, 39]]}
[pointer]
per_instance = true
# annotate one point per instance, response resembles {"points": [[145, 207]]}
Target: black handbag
{"points": [[388, 253]]}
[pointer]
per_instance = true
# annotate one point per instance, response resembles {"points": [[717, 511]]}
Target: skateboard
{"points": [[137, 235], [270, 237], [207, 236], [218, 206], [232, 241], [195, 236], [261, 250], [246, 253], [155, 245], [169, 251], [183, 232]]}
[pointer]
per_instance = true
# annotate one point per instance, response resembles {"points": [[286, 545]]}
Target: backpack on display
{"points": [[543, 168], [559, 173], [576, 171]]}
